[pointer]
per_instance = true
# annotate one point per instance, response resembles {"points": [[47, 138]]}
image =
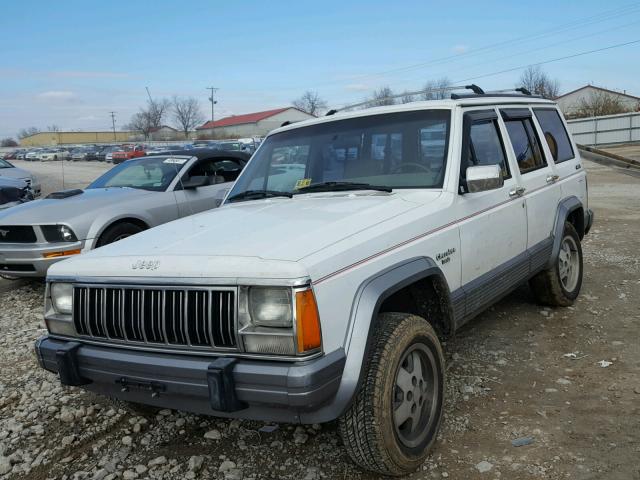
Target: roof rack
{"points": [[522, 91]]}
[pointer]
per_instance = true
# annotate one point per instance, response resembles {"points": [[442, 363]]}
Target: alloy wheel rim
{"points": [[569, 263], [121, 237], [415, 395]]}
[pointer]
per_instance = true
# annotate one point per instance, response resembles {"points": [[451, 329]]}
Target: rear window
{"points": [[555, 134]]}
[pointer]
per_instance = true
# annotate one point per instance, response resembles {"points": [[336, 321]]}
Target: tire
{"points": [[368, 429], [559, 285], [119, 231]]}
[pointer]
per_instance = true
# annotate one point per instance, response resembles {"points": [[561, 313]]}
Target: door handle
{"points": [[516, 191], [552, 178]]}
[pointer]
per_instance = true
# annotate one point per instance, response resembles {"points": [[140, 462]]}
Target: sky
{"points": [[69, 63]]}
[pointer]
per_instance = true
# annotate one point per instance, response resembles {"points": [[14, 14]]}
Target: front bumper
{"points": [[219, 386], [26, 259]]}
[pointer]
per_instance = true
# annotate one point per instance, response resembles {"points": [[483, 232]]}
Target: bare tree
{"points": [[156, 111], [407, 98], [53, 128], [600, 103], [436, 89], [8, 142], [311, 103], [539, 83], [26, 132], [186, 113], [382, 96], [140, 123]]}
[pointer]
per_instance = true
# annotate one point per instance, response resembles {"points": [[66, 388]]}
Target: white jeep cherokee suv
{"points": [[347, 249]]}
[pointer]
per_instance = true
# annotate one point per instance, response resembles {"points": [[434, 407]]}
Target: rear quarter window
{"points": [[555, 134]]}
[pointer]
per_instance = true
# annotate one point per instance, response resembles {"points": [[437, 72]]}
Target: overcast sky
{"points": [[70, 63]]}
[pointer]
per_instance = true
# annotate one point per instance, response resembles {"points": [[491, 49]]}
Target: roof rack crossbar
{"points": [[473, 87]]}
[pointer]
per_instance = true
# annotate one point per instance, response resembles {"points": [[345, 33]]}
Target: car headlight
{"points": [[58, 233], [62, 297], [271, 307], [279, 321]]}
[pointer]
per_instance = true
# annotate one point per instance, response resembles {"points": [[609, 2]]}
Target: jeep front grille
{"points": [[187, 317]]}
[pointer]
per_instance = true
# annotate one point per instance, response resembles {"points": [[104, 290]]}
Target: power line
{"points": [[557, 59]]}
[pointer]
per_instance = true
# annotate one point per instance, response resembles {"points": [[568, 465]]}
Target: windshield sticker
{"points": [[175, 161], [303, 182]]}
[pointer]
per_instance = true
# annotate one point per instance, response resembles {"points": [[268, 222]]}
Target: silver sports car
{"points": [[9, 170], [131, 197]]}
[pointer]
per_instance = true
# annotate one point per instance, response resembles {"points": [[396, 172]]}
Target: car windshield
{"points": [[154, 173], [5, 164], [395, 150]]}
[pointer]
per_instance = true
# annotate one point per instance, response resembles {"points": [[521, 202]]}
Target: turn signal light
{"points": [[307, 321], [65, 253]]}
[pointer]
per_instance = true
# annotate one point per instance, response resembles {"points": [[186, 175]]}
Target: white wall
{"points": [[571, 102]]}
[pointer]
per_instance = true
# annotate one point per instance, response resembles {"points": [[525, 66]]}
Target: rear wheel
{"points": [[118, 232], [560, 284], [395, 417]]}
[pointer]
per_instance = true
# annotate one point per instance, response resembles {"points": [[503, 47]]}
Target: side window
{"points": [[526, 145], [227, 168], [555, 134], [485, 146]]}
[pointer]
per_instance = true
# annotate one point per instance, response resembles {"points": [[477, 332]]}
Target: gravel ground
{"points": [[59, 175], [519, 372]]}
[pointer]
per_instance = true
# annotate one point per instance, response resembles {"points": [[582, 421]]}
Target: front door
{"points": [[493, 225]]}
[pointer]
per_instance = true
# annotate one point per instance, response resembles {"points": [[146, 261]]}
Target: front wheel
{"points": [[559, 285], [118, 232], [394, 419]]}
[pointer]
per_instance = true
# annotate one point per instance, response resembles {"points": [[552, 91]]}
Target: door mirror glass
{"points": [[484, 177], [195, 182]]}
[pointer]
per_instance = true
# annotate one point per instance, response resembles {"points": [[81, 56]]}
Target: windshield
{"points": [[5, 164], [154, 174], [396, 150]]}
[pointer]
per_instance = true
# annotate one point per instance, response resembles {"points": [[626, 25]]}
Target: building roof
{"points": [[600, 89], [155, 129], [241, 119]]}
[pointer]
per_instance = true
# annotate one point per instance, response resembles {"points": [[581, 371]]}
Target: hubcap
{"points": [[415, 395], [569, 263]]}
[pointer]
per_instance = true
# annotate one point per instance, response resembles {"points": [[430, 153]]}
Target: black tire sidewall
{"points": [[115, 231], [569, 231], [400, 454]]}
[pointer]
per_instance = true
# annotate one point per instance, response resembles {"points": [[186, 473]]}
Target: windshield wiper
{"points": [[341, 187], [251, 194]]}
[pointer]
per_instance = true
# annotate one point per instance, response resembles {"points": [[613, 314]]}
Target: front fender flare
{"points": [[565, 207], [366, 305]]}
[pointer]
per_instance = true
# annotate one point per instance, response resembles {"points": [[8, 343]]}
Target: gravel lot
{"points": [[518, 371]]}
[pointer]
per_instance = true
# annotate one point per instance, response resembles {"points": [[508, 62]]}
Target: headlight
{"points": [[271, 307], [268, 324], [62, 297], [58, 233]]}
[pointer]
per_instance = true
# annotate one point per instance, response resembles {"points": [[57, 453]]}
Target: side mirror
{"points": [[194, 182], [483, 178]]}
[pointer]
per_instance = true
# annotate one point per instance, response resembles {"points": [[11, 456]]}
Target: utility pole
{"points": [[113, 122], [212, 100]]}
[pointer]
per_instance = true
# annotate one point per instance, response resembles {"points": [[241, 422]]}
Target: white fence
{"points": [[606, 130]]}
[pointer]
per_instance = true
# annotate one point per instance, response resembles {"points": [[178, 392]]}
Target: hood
{"points": [[12, 182], [14, 173], [89, 203], [255, 233]]}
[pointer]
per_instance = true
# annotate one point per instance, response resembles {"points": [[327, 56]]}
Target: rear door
{"points": [[562, 151], [536, 176]]}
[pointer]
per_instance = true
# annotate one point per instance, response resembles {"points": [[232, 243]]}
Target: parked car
{"points": [[13, 192], [131, 197], [8, 170], [33, 155], [53, 154], [21, 155], [323, 290], [13, 155], [127, 152], [101, 155]]}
